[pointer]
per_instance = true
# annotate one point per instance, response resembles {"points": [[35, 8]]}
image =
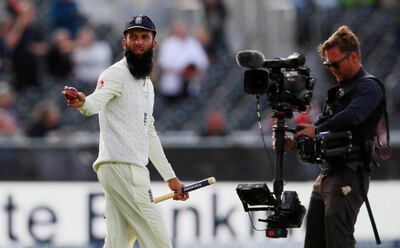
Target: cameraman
{"points": [[355, 104]]}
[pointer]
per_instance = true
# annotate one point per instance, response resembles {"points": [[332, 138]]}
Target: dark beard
{"points": [[139, 66]]}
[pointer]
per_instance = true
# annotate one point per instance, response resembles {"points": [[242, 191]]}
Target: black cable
{"points": [[260, 127]]}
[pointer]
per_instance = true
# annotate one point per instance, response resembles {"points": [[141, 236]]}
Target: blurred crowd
{"points": [[314, 16], [38, 57], [35, 60]]}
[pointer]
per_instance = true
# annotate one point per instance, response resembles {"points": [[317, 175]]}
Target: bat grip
{"points": [[164, 197]]}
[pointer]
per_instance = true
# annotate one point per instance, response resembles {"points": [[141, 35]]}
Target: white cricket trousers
{"points": [[129, 212]]}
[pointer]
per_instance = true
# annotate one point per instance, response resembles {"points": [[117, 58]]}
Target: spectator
{"points": [[5, 25], [90, 58], [14, 7], [181, 71], [59, 58], [25, 40], [215, 125], [203, 36], [65, 14], [46, 120], [8, 115], [305, 12], [216, 14]]}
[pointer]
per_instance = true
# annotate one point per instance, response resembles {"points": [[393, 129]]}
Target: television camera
{"points": [[285, 81], [288, 87]]}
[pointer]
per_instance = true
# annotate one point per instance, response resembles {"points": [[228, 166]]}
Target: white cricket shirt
{"points": [[125, 108]]}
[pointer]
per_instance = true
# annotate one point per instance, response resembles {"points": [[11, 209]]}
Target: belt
{"points": [[327, 168]]}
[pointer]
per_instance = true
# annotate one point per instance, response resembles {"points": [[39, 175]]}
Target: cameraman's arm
{"points": [[367, 96]]}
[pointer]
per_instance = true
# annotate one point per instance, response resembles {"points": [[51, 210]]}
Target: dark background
{"points": [[191, 162]]}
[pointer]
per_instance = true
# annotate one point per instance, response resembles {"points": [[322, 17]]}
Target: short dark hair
{"points": [[344, 39]]}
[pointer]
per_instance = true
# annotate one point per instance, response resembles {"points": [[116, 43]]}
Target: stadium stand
{"points": [[222, 86]]}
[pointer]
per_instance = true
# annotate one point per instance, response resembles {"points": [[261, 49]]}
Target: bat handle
{"points": [[164, 197], [186, 189], [211, 180]]}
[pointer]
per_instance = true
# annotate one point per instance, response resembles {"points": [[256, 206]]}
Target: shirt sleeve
{"points": [[110, 85], [157, 155], [366, 98]]}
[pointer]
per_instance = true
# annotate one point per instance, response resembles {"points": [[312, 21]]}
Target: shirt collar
{"points": [[361, 72]]}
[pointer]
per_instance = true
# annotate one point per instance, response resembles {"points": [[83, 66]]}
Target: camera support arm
{"points": [[279, 130]]}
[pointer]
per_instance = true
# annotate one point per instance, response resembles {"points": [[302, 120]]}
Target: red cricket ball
{"points": [[71, 93]]}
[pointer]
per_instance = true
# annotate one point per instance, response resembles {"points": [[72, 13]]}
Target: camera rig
{"points": [[327, 146], [288, 87]]}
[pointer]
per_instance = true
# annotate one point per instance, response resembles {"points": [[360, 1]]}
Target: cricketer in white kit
{"points": [[123, 100]]}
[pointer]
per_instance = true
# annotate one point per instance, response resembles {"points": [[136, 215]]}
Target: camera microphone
{"points": [[251, 59]]}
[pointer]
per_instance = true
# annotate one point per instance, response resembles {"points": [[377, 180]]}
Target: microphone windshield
{"points": [[252, 59]]}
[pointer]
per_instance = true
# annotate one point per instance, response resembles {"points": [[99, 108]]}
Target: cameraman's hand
{"points": [[308, 130], [289, 144]]}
